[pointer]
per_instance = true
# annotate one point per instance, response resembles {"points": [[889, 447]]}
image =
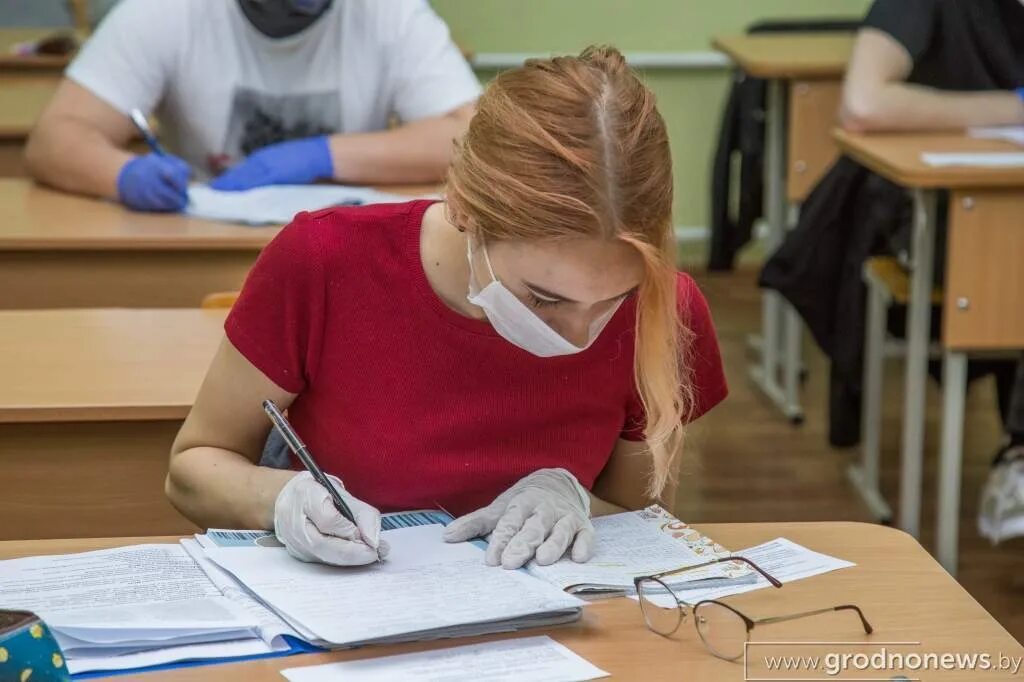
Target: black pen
{"points": [[296, 445]]}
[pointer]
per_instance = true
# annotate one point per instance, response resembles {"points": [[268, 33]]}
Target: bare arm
{"points": [[622, 484], [876, 96], [412, 153], [78, 143], [214, 478]]}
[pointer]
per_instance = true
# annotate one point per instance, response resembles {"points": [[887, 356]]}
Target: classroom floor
{"points": [[745, 462]]}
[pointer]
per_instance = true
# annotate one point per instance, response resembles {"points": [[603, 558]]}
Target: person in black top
{"points": [[948, 64], [936, 64]]}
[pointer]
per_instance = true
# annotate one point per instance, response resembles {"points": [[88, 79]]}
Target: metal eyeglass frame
{"points": [[747, 620]]}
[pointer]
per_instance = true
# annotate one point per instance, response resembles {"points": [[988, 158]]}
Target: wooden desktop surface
{"points": [[90, 404], [33, 217], [58, 250], [897, 156], [22, 98], [104, 365], [903, 592], [788, 55]]}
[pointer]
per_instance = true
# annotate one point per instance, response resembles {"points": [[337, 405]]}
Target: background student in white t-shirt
{"points": [[256, 92]]}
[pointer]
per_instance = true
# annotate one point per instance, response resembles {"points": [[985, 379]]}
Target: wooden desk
{"points": [[23, 96], [804, 72], [9, 61], [788, 56], [984, 286], [59, 250], [91, 401], [902, 591]]}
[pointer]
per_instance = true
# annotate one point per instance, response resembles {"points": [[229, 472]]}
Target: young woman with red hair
{"points": [[525, 348]]}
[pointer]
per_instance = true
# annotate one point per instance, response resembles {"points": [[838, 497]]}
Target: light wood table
{"points": [[984, 285], [58, 250], [803, 73], [90, 403], [902, 591], [23, 95], [10, 61]]}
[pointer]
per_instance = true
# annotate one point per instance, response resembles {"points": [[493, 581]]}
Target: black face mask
{"points": [[283, 18]]}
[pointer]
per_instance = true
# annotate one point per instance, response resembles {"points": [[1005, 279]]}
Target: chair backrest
{"points": [[220, 299], [817, 25]]}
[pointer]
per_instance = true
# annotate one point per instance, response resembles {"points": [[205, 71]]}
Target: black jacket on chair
{"points": [[853, 214]]}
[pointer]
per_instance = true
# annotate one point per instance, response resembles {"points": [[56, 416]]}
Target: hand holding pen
{"points": [[154, 182], [315, 518]]}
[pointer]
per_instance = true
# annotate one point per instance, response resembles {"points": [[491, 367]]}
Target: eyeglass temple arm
{"points": [[768, 577], [793, 616]]}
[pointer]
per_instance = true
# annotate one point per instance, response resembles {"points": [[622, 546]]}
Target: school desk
{"points": [[23, 95], [905, 595], [58, 250], [12, 61], [90, 402], [984, 287], [803, 73]]}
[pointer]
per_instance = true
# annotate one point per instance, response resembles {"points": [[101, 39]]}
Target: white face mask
{"points": [[519, 325]]}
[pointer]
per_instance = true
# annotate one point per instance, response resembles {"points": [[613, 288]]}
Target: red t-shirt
{"points": [[413, 405]]}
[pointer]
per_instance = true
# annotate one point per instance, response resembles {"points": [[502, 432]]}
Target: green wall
{"points": [[691, 100]]}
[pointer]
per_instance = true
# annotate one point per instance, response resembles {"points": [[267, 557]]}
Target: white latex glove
{"points": [[539, 517], [311, 529]]}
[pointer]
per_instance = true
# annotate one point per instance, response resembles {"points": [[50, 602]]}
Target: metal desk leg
{"points": [[919, 314], [954, 380], [780, 329], [865, 474]]}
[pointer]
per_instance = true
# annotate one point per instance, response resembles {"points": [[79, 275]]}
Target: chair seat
{"points": [[886, 272]]}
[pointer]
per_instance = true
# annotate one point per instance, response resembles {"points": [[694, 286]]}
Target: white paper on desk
{"points": [[425, 584], [529, 659], [974, 159], [112, 595], [627, 546], [144, 659], [278, 204], [270, 627], [781, 558], [1013, 134]]}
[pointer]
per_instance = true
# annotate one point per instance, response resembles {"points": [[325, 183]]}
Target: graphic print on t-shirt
{"points": [[258, 119]]}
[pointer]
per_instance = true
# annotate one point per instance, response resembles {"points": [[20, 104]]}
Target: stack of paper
{"points": [[112, 608], [145, 605], [278, 204], [642, 543], [427, 589]]}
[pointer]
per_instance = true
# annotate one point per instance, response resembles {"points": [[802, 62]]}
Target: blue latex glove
{"points": [[154, 182], [297, 162]]}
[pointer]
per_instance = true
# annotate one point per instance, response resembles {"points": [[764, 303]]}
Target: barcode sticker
{"points": [[262, 538]]}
